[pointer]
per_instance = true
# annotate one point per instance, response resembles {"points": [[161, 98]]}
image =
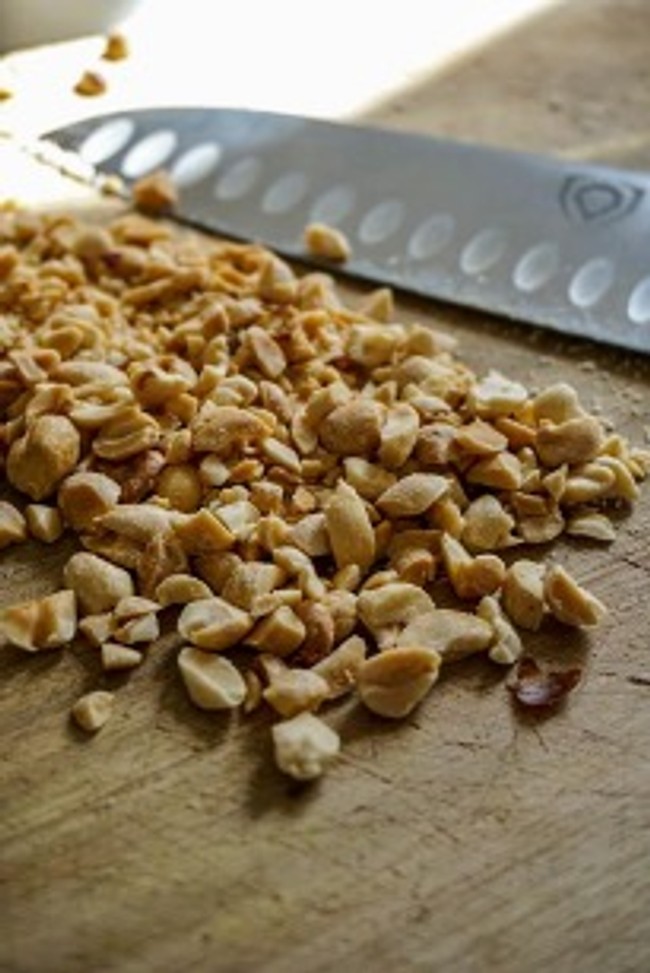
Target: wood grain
{"points": [[466, 839]]}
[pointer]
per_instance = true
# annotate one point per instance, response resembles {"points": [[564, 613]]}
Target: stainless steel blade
{"points": [[561, 245]]}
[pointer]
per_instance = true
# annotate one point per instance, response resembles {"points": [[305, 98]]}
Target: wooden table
{"points": [[465, 840]]}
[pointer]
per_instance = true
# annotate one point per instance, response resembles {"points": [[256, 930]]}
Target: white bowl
{"points": [[27, 23]]}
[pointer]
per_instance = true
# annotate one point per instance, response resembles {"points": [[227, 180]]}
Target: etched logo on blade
{"points": [[585, 199]]}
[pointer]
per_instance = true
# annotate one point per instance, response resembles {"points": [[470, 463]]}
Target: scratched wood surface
{"points": [[465, 839]]}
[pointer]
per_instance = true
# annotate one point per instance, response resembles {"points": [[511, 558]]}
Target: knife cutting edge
{"points": [[531, 238]]}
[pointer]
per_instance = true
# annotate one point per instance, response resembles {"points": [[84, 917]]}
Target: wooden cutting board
{"points": [[465, 839]]}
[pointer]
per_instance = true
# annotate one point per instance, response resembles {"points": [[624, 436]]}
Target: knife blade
{"points": [[534, 239]]}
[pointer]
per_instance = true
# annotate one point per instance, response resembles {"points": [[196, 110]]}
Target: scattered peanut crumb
{"points": [[327, 242], [155, 192], [93, 710], [91, 84], [305, 746], [117, 48]]}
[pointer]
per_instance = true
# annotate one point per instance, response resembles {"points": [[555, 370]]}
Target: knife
{"points": [[534, 239]]}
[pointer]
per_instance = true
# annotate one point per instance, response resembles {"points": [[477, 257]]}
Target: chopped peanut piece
{"points": [[451, 634], [224, 429], [596, 527], [487, 525], [341, 606], [352, 429], [479, 438], [341, 667], [180, 484], [142, 628], [379, 305], [249, 581], [393, 683], [267, 353], [253, 691], [399, 434], [413, 494], [349, 529], [280, 632], [304, 746], [47, 452], [97, 583], [213, 624], [558, 403], [93, 710], [277, 283], [572, 441], [568, 601], [44, 523], [137, 521], [41, 624], [180, 589], [415, 565], [311, 536], [471, 577], [496, 395], [203, 534], [507, 646], [13, 527], [368, 479], [385, 611], [83, 497], [623, 487], [324, 241], [295, 690], [501, 472], [523, 594], [97, 628], [116, 657], [212, 681]]}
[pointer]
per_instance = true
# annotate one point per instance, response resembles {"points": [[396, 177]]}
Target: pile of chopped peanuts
{"points": [[279, 476]]}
